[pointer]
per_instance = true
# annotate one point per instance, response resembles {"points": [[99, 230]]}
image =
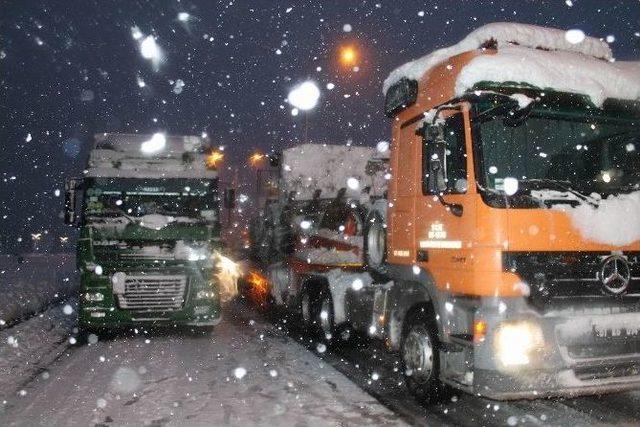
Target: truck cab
{"points": [[514, 214], [149, 246]]}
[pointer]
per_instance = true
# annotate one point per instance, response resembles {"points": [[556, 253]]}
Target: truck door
{"points": [[402, 194], [443, 238]]}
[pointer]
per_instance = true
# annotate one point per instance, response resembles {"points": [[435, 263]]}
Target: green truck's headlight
{"points": [[94, 296], [192, 251], [203, 294]]}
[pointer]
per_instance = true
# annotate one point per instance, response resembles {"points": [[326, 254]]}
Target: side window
{"points": [[455, 167]]}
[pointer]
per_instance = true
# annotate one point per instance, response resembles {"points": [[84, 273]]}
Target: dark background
{"points": [[69, 69]]}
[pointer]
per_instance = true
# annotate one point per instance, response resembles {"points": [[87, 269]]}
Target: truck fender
{"points": [[410, 292]]}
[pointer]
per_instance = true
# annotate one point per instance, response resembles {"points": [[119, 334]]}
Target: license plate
{"points": [[201, 310], [615, 333]]}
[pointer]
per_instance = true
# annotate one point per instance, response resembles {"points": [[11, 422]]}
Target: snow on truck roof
{"points": [[133, 142], [148, 156], [536, 56]]}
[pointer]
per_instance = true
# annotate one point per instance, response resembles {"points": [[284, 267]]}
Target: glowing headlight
{"points": [[97, 296], [192, 252], [197, 254], [118, 281], [205, 294], [515, 342]]}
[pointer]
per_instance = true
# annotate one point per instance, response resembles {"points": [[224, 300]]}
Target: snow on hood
{"points": [[579, 68], [616, 220]]}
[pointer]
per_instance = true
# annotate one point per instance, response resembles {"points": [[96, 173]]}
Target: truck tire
{"points": [[420, 357], [306, 308], [326, 317], [375, 242]]}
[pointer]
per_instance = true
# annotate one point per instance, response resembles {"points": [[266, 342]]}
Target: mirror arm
{"points": [[455, 208]]}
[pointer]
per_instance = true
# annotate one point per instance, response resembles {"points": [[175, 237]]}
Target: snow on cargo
{"points": [[615, 221], [533, 56], [329, 168]]}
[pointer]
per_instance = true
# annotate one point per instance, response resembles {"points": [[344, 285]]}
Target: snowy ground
{"points": [[250, 371], [27, 348], [246, 373], [30, 283]]}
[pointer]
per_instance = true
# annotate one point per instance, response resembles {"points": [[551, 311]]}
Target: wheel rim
{"points": [[417, 354], [305, 307], [325, 317], [375, 243]]}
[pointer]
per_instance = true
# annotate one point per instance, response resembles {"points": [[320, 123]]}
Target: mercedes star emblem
{"points": [[615, 274]]}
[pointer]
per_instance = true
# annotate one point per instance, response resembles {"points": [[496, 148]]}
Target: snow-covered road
{"points": [[246, 373], [250, 371]]}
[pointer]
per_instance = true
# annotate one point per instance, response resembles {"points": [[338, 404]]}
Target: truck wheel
{"points": [[306, 308], [326, 319], [420, 357], [375, 242]]}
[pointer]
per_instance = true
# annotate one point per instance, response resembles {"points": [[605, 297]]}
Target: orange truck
{"points": [[502, 257]]}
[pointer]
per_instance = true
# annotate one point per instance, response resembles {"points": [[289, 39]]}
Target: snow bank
{"points": [[537, 56], [616, 221], [29, 285], [308, 167]]}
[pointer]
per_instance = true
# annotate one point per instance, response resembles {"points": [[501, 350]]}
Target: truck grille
{"points": [[153, 292]]}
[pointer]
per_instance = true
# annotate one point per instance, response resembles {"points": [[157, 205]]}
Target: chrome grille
{"points": [[153, 292]]}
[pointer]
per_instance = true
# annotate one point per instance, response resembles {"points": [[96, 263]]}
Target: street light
{"points": [[348, 56], [213, 159], [256, 158], [304, 96]]}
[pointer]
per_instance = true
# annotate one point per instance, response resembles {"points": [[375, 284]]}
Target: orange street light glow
{"points": [[213, 159], [348, 56], [256, 158]]}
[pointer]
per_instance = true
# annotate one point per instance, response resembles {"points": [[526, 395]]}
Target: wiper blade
{"points": [[563, 186]]}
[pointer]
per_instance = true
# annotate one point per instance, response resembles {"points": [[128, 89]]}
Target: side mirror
{"points": [[437, 152], [229, 198], [71, 190]]}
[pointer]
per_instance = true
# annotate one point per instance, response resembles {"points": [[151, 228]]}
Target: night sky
{"points": [[69, 69]]}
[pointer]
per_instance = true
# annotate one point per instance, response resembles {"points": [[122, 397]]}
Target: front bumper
{"points": [[587, 350], [117, 310]]}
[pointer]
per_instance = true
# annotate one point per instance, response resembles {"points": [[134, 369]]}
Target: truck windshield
{"points": [[563, 153], [187, 198]]}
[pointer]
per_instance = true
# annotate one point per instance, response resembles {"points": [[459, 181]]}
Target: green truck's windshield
{"points": [[585, 154], [190, 198]]}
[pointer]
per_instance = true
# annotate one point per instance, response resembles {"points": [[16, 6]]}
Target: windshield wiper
{"points": [[112, 211], [561, 185]]}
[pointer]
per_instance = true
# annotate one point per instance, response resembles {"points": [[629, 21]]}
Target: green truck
{"points": [[149, 248]]}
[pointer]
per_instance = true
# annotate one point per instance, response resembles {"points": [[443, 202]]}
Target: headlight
{"points": [[192, 252], [118, 281], [515, 343], [205, 294], [94, 297]]}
